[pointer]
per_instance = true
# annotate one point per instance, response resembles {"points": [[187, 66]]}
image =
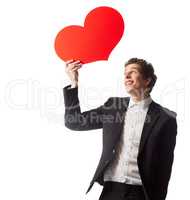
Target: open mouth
{"points": [[129, 82]]}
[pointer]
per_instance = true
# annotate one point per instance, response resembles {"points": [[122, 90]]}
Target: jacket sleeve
{"points": [[165, 157], [74, 119]]}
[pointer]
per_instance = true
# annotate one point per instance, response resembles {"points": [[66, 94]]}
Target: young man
{"points": [[139, 135]]}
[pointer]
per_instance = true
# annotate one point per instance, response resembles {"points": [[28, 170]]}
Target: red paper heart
{"points": [[103, 29]]}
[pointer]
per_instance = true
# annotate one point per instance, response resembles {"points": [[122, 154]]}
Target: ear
{"points": [[148, 80]]}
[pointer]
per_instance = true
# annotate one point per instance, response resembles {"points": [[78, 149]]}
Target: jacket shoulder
{"points": [[166, 111], [117, 102]]}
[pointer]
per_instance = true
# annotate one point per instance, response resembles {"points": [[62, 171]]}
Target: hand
{"points": [[72, 71]]}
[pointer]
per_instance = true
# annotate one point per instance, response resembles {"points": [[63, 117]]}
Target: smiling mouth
{"points": [[129, 82]]}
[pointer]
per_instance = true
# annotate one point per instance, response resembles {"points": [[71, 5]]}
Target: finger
{"points": [[71, 66], [76, 68], [69, 61], [72, 62], [76, 62]]}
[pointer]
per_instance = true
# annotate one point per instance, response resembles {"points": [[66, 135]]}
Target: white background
{"points": [[39, 158]]}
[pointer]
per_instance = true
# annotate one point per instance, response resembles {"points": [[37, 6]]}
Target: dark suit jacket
{"points": [[157, 143]]}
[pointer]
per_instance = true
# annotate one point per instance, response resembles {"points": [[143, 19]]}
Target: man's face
{"points": [[133, 80]]}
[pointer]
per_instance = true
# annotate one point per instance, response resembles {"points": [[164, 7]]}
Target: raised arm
{"points": [[74, 119]]}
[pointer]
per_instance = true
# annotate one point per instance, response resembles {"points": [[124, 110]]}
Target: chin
{"points": [[128, 89]]}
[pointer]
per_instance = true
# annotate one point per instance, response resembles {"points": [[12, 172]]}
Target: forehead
{"points": [[131, 66]]}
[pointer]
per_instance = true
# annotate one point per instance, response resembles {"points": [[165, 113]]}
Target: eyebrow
{"points": [[134, 68]]}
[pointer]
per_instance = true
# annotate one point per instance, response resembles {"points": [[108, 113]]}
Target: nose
{"points": [[127, 76]]}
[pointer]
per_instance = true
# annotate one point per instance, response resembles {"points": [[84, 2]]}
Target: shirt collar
{"points": [[144, 103]]}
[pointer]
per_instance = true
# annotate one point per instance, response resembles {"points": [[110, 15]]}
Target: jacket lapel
{"points": [[152, 116]]}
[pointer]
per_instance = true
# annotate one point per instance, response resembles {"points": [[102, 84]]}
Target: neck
{"points": [[139, 98]]}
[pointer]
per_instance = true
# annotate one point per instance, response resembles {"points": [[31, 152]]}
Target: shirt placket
{"points": [[129, 143]]}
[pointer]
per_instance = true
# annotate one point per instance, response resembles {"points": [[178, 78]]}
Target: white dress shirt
{"points": [[124, 167]]}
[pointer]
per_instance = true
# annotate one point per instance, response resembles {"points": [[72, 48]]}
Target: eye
{"points": [[130, 72]]}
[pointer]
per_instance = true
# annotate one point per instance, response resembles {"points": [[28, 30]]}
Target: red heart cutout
{"points": [[103, 29]]}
